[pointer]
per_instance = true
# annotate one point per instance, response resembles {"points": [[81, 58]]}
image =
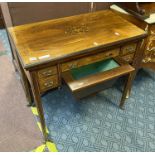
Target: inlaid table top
{"points": [[56, 39]]}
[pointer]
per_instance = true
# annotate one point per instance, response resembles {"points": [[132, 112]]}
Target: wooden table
{"points": [[47, 49]]}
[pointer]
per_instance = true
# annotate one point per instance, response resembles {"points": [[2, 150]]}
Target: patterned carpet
{"points": [[97, 124], [4, 43]]}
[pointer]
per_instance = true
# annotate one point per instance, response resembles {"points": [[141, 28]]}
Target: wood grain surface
{"points": [[56, 39]]}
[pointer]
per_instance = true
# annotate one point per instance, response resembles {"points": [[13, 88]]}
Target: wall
{"points": [[22, 13]]}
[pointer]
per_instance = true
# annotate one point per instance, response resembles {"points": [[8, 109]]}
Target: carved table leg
{"points": [[37, 99]]}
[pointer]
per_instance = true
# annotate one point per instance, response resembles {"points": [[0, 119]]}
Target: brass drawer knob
{"points": [[48, 84], [130, 49], [109, 54], [72, 65], [47, 73]]}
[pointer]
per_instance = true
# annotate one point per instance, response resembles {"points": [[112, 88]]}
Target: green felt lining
{"points": [[93, 68]]}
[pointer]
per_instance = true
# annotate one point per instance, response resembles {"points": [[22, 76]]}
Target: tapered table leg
{"points": [[25, 83], [127, 88], [128, 94], [137, 62], [130, 85], [37, 99]]}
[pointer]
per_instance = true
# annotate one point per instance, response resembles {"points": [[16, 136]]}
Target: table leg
{"points": [[37, 99], [12, 53], [18, 68], [128, 94], [127, 88], [137, 62], [25, 83]]}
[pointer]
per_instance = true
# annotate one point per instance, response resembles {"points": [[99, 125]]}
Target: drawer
{"points": [[128, 58], [131, 48], [89, 79], [47, 72], [48, 83], [89, 59]]}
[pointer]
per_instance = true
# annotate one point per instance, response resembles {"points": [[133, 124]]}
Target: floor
{"points": [[18, 128], [97, 124]]}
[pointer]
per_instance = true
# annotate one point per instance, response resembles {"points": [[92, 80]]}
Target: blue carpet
{"points": [[96, 123], [4, 39]]}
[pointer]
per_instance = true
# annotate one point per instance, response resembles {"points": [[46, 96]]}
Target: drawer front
{"points": [[128, 58], [47, 72], [89, 59], [69, 65], [131, 48], [48, 83]]}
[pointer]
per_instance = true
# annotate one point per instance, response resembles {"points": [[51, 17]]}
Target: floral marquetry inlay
{"points": [[76, 29]]}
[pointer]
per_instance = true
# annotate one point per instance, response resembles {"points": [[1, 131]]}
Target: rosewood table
{"points": [[45, 50]]}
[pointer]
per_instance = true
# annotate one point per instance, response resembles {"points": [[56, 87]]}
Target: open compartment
{"points": [[94, 77]]}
